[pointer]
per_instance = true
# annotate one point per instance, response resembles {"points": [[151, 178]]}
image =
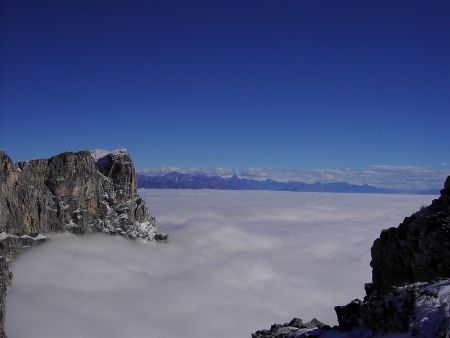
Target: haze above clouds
{"points": [[237, 261], [383, 176]]}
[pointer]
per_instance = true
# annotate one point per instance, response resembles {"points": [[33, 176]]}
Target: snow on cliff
{"points": [[100, 153]]}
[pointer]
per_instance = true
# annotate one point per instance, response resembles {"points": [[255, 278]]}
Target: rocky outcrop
{"points": [[417, 250], [73, 191], [382, 313], [295, 328], [419, 309], [4, 282], [410, 290], [12, 245]]}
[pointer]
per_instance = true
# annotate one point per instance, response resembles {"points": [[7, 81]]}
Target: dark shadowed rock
{"points": [[385, 313], [161, 236], [349, 315], [410, 289], [295, 328], [417, 250], [5, 277]]}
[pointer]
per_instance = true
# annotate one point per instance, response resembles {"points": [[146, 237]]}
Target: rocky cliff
{"points": [[4, 281], [417, 250], [73, 191], [410, 290]]}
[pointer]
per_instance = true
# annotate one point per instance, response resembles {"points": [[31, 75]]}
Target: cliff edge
{"points": [[417, 250], [410, 291], [73, 191], [85, 191]]}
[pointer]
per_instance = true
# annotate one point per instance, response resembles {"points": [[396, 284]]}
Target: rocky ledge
{"points": [[410, 291], [86, 191], [295, 328]]}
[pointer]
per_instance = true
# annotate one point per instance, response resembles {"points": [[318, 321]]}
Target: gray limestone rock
{"points": [[5, 277], [74, 191], [12, 245]]}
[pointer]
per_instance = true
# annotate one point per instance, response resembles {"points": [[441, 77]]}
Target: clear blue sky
{"points": [[281, 84]]}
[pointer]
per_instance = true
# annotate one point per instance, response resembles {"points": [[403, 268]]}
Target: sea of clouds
{"points": [[236, 261]]}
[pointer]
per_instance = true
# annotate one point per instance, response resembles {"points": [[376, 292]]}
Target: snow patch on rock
{"points": [[100, 153]]}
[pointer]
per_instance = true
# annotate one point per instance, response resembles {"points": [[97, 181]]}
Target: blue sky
{"points": [[282, 84]]}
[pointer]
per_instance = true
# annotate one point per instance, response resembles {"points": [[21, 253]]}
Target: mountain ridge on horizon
{"points": [[177, 180]]}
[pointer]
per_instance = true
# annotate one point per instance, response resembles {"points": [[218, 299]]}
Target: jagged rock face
{"points": [[80, 192], [12, 245], [294, 329], [410, 290], [418, 250], [382, 313], [4, 281], [73, 191]]}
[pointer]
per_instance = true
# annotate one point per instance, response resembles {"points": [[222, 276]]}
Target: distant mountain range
{"points": [[176, 180]]}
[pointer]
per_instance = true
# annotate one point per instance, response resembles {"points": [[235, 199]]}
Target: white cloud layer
{"points": [[383, 176], [237, 261]]}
